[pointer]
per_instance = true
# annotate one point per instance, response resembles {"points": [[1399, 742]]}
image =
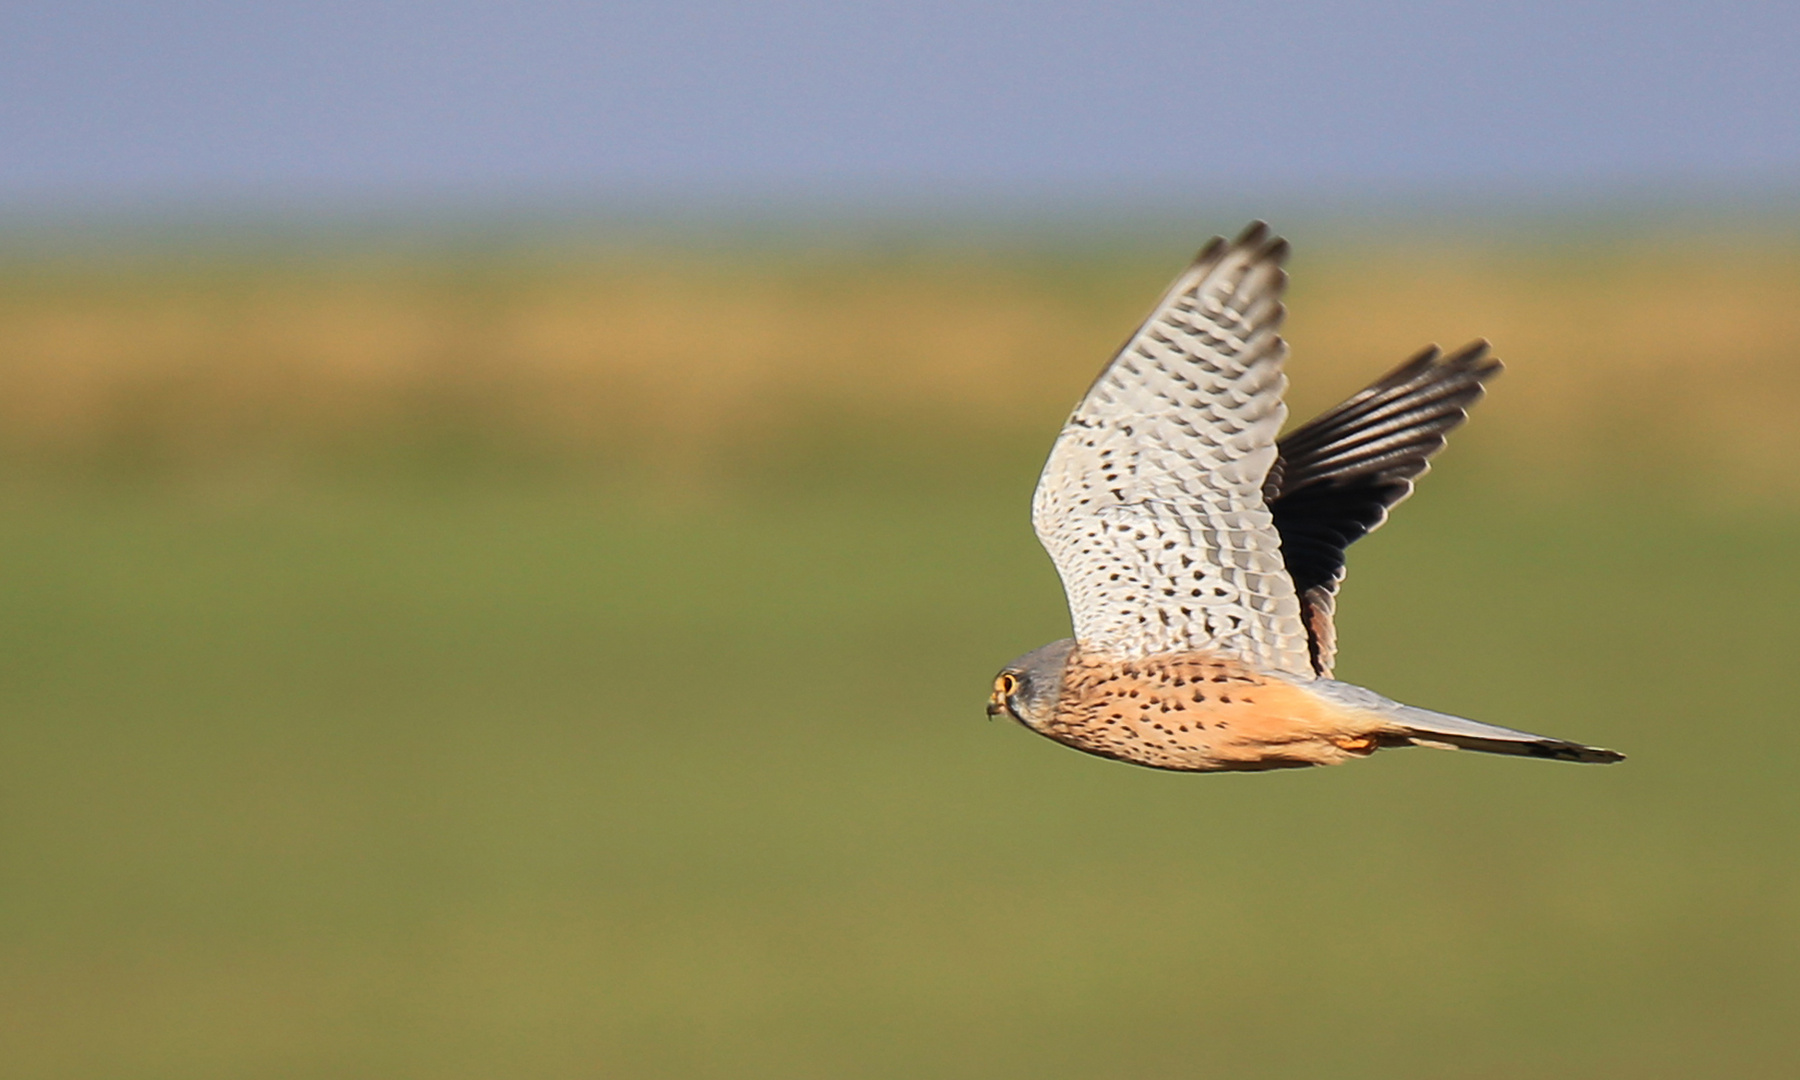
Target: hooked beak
{"points": [[996, 705]]}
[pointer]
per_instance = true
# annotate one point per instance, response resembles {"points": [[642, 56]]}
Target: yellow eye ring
{"points": [[1008, 684]]}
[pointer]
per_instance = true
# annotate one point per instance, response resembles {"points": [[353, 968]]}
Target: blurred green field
{"points": [[455, 759]]}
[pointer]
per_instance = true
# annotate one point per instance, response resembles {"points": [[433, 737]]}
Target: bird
{"points": [[1201, 555]]}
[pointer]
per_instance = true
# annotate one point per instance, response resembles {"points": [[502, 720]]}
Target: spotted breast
{"points": [[1198, 712]]}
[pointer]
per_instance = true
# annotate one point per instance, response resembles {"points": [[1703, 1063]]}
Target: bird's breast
{"points": [[1201, 712]]}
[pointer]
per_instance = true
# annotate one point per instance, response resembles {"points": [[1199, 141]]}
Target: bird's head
{"points": [[1027, 688]]}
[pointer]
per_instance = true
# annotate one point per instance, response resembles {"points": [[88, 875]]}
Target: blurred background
{"points": [[508, 514]]}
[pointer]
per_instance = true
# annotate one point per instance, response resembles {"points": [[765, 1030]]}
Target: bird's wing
{"points": [[1151, 504], [1336, 477]]}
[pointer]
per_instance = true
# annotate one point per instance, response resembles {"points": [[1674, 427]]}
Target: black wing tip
{"points": [[1255, 236], [1477, 358], [1474, 359]]}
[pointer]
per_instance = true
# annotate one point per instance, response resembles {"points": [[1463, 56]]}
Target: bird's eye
{"points": [[1008, 683]]}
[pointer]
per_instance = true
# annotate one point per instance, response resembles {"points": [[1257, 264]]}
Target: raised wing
{"points": [[1151, 504], [1337, 476]]}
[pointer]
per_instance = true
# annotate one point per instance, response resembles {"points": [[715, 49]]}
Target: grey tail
{"points": [[1422, 727]]}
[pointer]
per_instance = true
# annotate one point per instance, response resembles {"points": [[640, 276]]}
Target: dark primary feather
{"points": [[1337, 476]]}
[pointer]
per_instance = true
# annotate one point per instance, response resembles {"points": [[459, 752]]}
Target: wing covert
{"points": [[1151, 503]]}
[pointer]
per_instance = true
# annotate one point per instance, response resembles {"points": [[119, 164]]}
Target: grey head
{"points": [[1027, 688]]}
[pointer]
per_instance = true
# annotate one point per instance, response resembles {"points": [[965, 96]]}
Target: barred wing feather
{"points": [[1151, 504], [1337, 476]]}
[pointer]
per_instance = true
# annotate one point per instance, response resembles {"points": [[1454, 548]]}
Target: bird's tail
{"points": [[1421, 727]]}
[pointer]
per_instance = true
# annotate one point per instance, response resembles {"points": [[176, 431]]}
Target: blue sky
{"points": [[106, 101]]}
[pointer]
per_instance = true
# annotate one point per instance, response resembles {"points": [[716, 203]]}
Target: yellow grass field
{"points": [[1682, 350]]}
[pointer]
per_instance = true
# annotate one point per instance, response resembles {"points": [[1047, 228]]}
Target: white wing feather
{"points": [[1151, 502]]}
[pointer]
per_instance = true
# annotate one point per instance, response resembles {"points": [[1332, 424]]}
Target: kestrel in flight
{"points": [[1202, 556]]}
